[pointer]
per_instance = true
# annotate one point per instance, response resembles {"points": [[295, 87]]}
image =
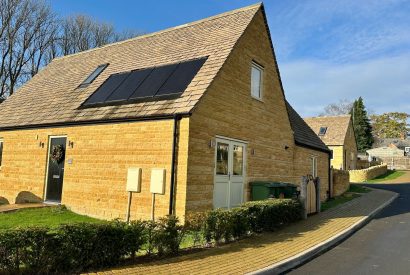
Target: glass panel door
{"points": [[229, 173]]}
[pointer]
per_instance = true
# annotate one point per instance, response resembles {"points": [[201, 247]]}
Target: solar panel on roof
{"points": [[128, 87], [154, 81], [145, 84], [105, 90], [181, 77]]}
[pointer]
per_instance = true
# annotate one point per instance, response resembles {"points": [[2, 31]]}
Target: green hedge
{"points": [[83, 246]]}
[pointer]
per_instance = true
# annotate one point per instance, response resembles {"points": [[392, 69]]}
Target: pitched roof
{"points": [[384, 142], [53, 96], [302, 133], [337, 127]]}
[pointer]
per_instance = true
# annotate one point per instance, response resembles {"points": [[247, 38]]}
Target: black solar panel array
{"points": [[146, 84]]}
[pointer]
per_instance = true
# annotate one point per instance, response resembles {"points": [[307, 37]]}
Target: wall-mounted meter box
{"points": [[157, 181], [134, 179]]}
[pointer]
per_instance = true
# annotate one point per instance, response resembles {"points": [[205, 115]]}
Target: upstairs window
{"points": [[322, 131], [256, 80], [93, 75], [1, 151]]}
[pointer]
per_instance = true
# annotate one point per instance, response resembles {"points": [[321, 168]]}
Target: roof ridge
{"points": [[318, 117], [259, 4]]}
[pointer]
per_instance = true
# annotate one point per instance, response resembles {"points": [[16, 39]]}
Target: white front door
{"points": [[229, 173]]}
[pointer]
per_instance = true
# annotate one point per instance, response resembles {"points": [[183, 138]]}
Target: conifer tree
{"points": [[361, 126]]}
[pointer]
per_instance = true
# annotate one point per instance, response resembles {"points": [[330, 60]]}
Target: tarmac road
{"points": [[380, 247]]}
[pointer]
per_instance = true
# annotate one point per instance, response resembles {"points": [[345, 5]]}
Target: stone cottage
{"points": [[338, 134], [202, 103]]}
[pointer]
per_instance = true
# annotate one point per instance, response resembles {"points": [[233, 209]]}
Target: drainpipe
{"points": [[328, 177], [173, 166]]}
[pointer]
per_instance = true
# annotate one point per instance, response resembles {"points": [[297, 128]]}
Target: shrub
{"points": [[78, 247], [74, 247], [168, 235], [269, 215], [32, 246], [194, 225], [240, 222]]}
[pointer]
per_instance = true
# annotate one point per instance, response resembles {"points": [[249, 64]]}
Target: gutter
{"points": [[177, 118], [91, 122]]}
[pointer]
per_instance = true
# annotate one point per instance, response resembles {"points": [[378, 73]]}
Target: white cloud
{"points": [[341, 31], [384, 83]]}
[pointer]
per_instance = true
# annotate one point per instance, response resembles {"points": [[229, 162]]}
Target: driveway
{"points": [[380, 247]]}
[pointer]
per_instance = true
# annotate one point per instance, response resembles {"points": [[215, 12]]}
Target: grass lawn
{"points": [[351, 194], [354, 188], [46, 216], [390, 175]]}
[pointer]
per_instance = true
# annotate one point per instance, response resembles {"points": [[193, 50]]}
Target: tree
{"points": [[361, 126], [31, 35], [25, 31], [343, 107], [390, 125]]}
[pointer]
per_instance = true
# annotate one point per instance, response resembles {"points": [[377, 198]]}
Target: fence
{"points": [[397, 163]]}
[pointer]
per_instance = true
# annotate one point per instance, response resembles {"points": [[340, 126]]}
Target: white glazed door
{"points": [[229, 173]]}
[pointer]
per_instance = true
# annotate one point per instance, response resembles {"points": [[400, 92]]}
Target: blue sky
{"points": [[327, 50]]}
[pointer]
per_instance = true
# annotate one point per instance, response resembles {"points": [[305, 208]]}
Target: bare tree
{"points": [[31, 36], [24, 35], [343, 107], [81, 32]]}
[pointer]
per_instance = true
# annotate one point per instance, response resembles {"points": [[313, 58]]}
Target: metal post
{"points": [[129, 206], [153, 207]]}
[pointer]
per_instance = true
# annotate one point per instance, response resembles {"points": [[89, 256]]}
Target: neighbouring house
{"points": [[385, 152], [338, 134], [200, 104], [390, 147]]}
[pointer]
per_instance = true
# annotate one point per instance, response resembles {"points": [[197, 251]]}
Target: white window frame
{"points": [[314, 166], [261, 70]]}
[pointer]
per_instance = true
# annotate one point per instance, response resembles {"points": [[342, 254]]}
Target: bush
{"points": [[33, 247], [78, 247], [269, 215], [194, 226], [168, 235], [72, 247]]}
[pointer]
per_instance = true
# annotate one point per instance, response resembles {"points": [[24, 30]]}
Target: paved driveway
{"points": [[381, 247]]}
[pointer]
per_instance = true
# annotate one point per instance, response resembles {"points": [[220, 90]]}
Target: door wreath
{"points": [[57, 153]]}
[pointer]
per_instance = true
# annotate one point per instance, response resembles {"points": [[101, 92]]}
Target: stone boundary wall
{"points": [[367, 174], [341, 182]]}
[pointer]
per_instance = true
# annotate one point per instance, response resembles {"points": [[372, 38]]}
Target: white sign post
{"points": [[157, 186], [133, 185]]}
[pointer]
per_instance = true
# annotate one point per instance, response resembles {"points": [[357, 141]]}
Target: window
{"points": [[93, 75], [222, 151], [256, 81], [322, 131], [1, 151], [314, 166]]}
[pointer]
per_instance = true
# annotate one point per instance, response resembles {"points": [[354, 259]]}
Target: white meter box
{"points": [[157, 181], [134, 179]]}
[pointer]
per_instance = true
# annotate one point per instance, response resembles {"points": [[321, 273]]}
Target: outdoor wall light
{"points": [[71, 144], [41, 144], [252, 152], [212, 143], [286, 147]]}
